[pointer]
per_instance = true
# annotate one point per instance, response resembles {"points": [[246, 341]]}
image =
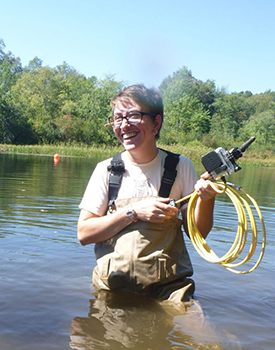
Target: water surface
{"points": [[46, 301]]}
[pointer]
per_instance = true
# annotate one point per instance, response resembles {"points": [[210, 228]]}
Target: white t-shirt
{"points": [[139, 180]]}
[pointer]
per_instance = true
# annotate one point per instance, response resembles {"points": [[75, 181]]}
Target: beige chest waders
{"points": [[144, 257]]}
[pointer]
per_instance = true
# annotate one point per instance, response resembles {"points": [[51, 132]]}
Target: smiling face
{"points": [[137, 139]]}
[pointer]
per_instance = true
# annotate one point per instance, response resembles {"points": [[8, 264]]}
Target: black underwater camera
{"points": [[220, 162]]}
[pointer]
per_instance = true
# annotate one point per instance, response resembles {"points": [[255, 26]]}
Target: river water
{"points": [[46, 299]]}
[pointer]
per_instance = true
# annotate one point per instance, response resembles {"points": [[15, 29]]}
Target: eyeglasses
{"points": [[133, 117]]}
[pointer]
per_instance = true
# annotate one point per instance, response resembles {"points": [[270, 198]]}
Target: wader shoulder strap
{"points": [[116, 169], [169, 174]]}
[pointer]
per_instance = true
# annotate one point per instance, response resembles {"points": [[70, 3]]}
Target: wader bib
{"points": [[145, 258]]}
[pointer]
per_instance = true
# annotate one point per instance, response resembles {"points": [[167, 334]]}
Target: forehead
{"points": [[130, 105]]}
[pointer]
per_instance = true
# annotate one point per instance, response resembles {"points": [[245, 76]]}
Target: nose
{"points": [[125, 123]]}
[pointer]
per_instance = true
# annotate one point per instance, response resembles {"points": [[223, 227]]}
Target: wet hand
{"points": [[155, 210]]}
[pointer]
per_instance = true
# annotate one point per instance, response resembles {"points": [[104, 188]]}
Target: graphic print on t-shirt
{"points": [[142, 188]]}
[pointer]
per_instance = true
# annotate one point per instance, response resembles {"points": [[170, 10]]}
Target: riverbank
{"points": [[193, 151]]}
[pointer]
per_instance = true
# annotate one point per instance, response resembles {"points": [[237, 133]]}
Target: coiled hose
{"points": [[245, 214]]}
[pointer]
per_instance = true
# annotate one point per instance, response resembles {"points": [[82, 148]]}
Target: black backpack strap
{"points": [[116, 169], [169, 174]]}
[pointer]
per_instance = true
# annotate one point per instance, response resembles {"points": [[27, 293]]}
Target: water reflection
{"points": [[124, 321]]}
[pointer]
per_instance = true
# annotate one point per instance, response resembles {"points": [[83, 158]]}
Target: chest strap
{"points": [[116, 169]]}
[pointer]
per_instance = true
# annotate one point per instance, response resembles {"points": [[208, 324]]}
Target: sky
{"points": [[231, 42]]}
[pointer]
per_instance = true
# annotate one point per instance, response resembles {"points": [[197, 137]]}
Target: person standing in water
{"points": [[125, 211]]}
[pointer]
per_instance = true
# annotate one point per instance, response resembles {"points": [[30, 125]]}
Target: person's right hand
{"points": [[155, 209]]}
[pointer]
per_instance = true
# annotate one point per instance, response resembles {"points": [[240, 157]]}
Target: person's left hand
{"points": [[204, 189]]}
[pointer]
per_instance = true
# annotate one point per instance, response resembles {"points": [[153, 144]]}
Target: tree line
{"points": [[44, 105]]}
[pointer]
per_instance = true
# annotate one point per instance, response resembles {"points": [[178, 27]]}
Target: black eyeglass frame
{"points": [[128, 116]]}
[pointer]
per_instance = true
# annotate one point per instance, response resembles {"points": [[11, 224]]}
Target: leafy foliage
{"points": [[43, 105]]}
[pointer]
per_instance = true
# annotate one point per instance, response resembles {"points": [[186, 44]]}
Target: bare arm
{"points": [[204, 207], [93, 228], [204, 215]]}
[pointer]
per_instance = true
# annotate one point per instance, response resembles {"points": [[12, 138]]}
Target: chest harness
{"points": [[116, 169]]}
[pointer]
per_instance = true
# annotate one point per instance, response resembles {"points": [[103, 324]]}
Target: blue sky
{"points": [[229, 41]]}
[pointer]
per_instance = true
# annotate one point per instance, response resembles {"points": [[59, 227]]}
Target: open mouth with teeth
{"points": [[129, 135]]}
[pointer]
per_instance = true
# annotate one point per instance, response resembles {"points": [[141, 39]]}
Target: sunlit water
{"points": [[45, 296]]}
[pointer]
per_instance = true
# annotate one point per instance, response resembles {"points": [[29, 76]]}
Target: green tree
{"points": [[186, 119], [176, 86], [262, 126], [94, 109], [263, 102], [39, 96], [188, 106], [182, 83], [10, 69], [205, 92], [231, 112], [34, 65], [13, 128]]}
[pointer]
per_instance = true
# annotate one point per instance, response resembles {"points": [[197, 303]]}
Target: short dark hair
{"points": [[150, 99]]}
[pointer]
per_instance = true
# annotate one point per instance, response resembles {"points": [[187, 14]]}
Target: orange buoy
{"points": [[56, 159]]}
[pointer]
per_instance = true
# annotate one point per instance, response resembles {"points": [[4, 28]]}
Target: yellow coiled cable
{"points": [[243, 208]]}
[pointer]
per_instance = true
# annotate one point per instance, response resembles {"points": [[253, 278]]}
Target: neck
{"points": [[146, 156]]}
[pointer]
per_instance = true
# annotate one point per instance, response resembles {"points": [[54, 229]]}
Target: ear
{"points": [[157, 122]]}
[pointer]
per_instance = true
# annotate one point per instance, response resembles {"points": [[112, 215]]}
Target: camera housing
{"points": [[220, 162]]}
